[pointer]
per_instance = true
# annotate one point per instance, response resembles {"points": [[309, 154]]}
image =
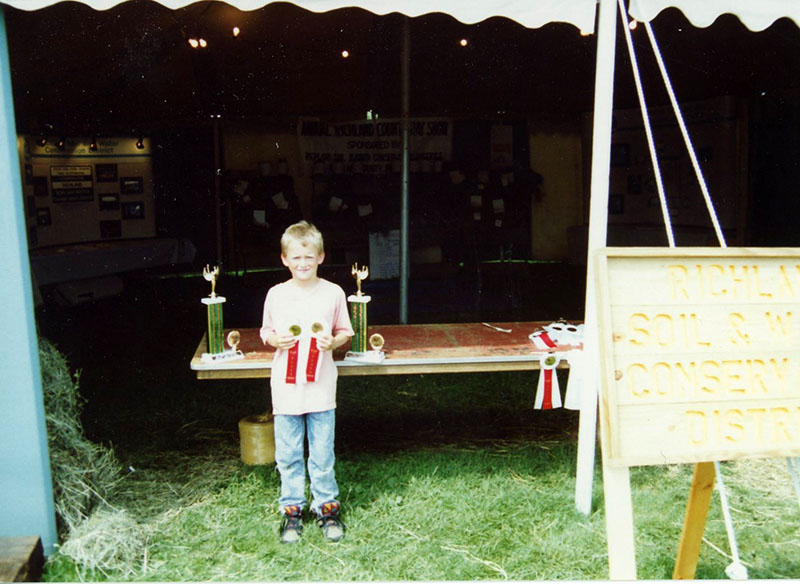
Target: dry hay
{"points": [[84, 473], [109, 542]]}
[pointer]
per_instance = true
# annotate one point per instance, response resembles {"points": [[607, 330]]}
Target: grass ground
{"points": [[443, 477]]}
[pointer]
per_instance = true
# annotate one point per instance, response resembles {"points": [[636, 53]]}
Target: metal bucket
{"points": [[257, 438]]}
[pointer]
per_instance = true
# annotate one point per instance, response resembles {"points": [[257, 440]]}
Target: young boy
{"points": [[305, 319]]}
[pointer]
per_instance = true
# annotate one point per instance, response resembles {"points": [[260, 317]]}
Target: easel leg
{"points": [[619, 523], [694, 523]]}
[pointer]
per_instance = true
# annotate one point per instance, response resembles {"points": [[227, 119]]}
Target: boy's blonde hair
{"points": [[305, 233]]}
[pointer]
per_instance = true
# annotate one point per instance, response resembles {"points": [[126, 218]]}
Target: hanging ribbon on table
{"points": [[572, 398], [548, 394]]}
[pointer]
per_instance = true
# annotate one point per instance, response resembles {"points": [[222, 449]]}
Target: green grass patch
{"points": [[442, 477]]}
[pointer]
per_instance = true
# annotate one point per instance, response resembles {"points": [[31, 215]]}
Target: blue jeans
{"points": [[290, 432]]}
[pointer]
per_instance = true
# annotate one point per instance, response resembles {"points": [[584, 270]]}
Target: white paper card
{"points": [[260, 217], [334, 204], [280, 201]]}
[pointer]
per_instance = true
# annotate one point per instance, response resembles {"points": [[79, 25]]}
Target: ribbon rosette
{"points": [[548, 394]]}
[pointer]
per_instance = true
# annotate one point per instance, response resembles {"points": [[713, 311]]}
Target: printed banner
{"points": [[374, 147]]}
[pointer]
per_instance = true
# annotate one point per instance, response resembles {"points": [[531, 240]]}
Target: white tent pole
{"points": [[598, 220]]}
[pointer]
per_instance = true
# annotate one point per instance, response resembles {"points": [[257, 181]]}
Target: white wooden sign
{"points": [[700, 353]]}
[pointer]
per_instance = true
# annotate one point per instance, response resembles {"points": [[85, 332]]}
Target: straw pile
{"points": [[84, 473]]}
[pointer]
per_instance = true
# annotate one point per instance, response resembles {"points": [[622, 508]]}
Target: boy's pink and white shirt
{"points": [[286, 306]]}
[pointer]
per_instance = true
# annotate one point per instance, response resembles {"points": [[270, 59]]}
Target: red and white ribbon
{"points": [[291, 363], [548, 394], [542, 340], [313, 360], [572, 399], [306, 356]]}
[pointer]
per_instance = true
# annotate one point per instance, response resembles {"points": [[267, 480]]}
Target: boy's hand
{"points": [[324, 342], [285, 341]]}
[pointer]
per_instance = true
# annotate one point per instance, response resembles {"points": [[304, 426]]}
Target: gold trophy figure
{"points": [[359, 275], [211, 275]]}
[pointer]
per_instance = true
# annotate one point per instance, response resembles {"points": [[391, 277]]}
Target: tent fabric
{"points": [[756, 15], [529, 13]]}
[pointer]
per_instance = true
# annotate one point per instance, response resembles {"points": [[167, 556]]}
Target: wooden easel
{"points": [[694, 523]]}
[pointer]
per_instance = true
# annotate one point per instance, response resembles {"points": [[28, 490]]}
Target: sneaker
{"points": [[332, 527], [292, 524]]}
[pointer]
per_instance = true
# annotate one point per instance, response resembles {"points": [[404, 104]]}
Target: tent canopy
{"points": [[85, 71], [755, 14]]}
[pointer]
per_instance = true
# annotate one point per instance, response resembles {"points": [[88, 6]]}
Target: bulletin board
{"points": [[715, 129], [83, 189]]}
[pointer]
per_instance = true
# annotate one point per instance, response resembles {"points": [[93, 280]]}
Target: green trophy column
{"points": [[216, 343], [358, 318]]}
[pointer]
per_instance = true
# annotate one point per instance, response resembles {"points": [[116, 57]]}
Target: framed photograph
{"points": [[133, 210], [108, 201], [43, 218], [106, 172], [131, 185]]}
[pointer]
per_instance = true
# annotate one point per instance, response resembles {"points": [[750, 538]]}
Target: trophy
{"points": [[214, 302], [358, 317]]}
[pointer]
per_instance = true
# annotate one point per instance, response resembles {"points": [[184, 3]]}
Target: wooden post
{"points": [[694, 523]]}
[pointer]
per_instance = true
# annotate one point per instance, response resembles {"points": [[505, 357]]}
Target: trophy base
{"points": [[226, 355], [372, 357]]}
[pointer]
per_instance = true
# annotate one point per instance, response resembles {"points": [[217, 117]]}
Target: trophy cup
{"points": [[214, 302], [358, 317]]}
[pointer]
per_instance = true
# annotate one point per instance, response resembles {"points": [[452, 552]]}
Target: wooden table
{"points": [[414, 348]]}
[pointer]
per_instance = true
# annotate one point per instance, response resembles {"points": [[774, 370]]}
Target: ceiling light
{"points": [[345, 54], [236, 31], [203, 43], [194, 43], [633, 24], [463, 42]]}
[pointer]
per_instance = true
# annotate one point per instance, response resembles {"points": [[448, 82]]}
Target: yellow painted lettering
{"points": [[734, 429], [637, 379], [759, 291], [735, 333], [781, 429], [697, 425], [639, 335], [678, 279], [713, 290], [732, 376]]}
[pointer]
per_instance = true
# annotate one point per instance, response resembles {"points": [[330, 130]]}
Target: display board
{"points": [[700, 353], [82, 189], [714, 126]]}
